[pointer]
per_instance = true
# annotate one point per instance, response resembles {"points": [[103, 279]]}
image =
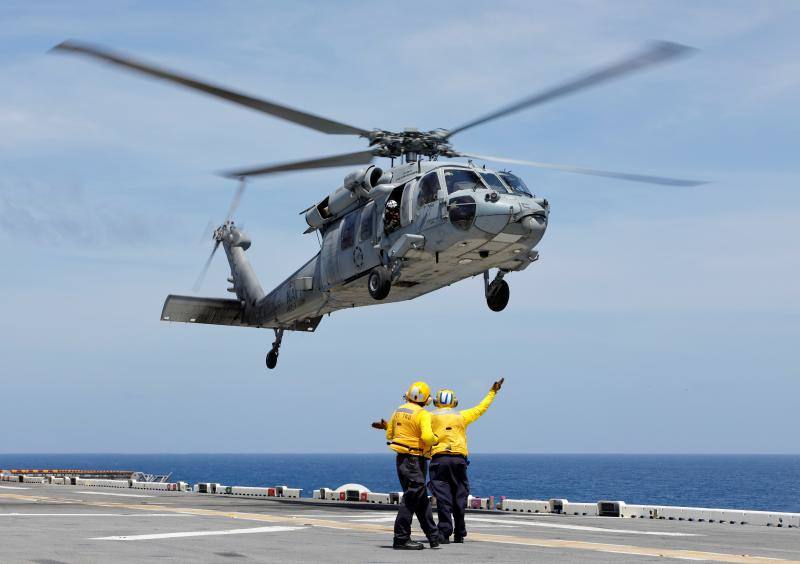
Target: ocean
{"points": [[765, 482]]}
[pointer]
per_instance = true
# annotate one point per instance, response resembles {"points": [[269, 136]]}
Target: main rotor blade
{"points": [[357, 158], [202, 276], [583, 170], [280, 111], [658, 52]]}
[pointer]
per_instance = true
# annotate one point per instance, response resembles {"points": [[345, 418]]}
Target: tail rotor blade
{"points": [[199, 281], [236, 200], [209, 228]]}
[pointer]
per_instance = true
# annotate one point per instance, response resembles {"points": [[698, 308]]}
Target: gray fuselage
{"points": [[449, 222]]}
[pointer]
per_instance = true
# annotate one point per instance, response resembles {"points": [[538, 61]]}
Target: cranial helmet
{"points": [[419, 392], [445, 398]]}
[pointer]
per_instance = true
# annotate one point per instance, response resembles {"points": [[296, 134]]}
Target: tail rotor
{"points": [[218, 233]]}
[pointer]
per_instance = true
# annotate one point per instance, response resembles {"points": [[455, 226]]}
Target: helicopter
{"points": [[387, 235]]}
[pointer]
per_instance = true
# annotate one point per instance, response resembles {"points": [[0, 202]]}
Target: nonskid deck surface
{"points": [[53, 524]]}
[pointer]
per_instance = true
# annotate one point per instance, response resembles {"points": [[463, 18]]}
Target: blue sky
{"points": [[657, 320]]}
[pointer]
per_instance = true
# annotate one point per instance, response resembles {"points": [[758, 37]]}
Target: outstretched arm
{"points": [[473, 414]]}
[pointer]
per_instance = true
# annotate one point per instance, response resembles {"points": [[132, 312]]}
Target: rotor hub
{"points": [[391, 144]]}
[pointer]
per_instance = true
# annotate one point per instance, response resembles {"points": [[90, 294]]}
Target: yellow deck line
{"points": [[482, 537]]}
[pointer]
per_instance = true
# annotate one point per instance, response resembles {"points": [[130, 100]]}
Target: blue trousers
{"points": [[411, 472], [450, 486]]}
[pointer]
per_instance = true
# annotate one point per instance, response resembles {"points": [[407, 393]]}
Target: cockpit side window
{"points": [[428, 189], [349, 229], [461, 179], [494, 182]]}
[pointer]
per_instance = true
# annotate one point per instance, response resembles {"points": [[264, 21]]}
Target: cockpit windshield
{"points": [[494, 182], [515, 182]]}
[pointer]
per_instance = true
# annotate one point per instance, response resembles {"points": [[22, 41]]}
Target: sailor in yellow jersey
{"points": [[409, 434], [449, 482]]}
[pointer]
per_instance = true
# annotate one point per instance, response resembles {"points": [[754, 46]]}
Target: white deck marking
{"points": [[580, 527], [13, 488], [94, 515], [375, 520], [115, 494], [270, 529], [490, 526], [350, 513]]}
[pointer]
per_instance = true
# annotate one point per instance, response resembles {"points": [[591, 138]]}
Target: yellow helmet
{"points": [[419, 392], [445, 398]]}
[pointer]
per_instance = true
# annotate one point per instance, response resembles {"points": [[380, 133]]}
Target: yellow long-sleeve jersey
{"points": [[409, 430], [450, 426]]}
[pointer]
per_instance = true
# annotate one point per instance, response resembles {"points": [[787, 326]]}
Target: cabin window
{"points": [[367, 223], [428, 189], [461, 179], [494, 182], [349, 229], [462, 212]]}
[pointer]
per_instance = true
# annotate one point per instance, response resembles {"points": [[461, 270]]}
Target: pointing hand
{"points": [[497, 385], [382, 424]]}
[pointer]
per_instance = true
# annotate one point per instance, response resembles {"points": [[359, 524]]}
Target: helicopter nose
{"points": [[492, 216], [535, 224]]}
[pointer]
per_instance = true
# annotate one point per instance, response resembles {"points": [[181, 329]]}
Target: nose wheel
{"points": [[272, 355], [497, 291]]}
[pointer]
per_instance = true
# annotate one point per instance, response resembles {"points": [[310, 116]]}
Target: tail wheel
{"points": [[498, 295], [379, 282], [272, 359]]}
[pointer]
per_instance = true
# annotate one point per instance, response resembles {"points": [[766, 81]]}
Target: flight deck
{"points": [[51, 524]]}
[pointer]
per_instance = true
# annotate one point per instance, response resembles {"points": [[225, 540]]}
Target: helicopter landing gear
{"points": [[272, 355], [379, 282], [497, 291]]}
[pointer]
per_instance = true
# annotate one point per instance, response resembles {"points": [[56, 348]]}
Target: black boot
{"points": [[434, 541], [407, 545], [444, 540], [458, 539]]}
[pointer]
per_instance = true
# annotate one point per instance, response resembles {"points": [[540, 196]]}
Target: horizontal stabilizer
{"points": [[219, 311], [191, 309]]}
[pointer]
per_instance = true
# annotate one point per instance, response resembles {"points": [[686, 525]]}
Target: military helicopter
{"points": [[387, 235]]}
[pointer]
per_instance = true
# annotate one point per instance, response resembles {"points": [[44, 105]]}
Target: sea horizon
{"points": [[769, 482]]}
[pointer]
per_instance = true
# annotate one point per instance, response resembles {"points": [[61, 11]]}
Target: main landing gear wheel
{"points": [[272, 355], [497, 300], [379, 282], [497, 291]]}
